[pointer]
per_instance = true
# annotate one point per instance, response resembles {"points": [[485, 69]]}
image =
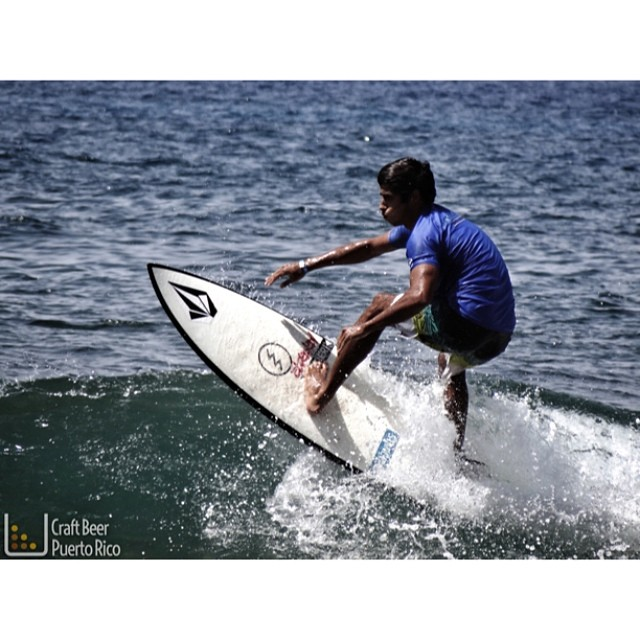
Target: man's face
{"points": [[393, 207]]}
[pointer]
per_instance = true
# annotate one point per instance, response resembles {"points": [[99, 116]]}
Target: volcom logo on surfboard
{"points": [[198, 302]]}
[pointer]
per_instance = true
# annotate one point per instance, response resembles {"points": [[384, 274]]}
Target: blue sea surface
{"points": [[107, 416]]}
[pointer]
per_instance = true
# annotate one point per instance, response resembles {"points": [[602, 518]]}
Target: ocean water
{"points": [[112, 427]]}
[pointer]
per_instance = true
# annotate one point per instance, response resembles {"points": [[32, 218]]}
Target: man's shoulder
{"points": [[434, 220], [441, 209], [398, 236]]}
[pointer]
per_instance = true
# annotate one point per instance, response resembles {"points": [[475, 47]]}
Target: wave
{"points": [[97, 325], [26, 223], [557, 482], [180, 451]]}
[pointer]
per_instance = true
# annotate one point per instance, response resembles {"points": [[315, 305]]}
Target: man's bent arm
{"points": [[422, 285]]}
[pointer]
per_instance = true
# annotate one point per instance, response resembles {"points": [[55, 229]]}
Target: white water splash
{"points": [[547, 470]]}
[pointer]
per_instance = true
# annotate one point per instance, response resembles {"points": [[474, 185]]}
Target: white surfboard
{"points": [[263, 355]]}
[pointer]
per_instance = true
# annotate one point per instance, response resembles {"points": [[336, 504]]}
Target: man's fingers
{"points": [[291, 271]]}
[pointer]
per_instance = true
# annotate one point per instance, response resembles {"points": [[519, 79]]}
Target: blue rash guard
{"points": [[474, 280]]}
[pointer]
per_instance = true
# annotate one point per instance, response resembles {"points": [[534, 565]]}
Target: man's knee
{"points": [[381, 301]]}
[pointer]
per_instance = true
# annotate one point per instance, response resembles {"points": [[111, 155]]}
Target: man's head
{"points": [[406, 175]]}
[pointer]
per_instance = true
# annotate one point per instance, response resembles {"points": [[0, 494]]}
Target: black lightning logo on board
{"points": [[274, 359], [198, 302]]}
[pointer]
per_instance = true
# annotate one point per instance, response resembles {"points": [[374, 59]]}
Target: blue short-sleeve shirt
{"points": [[474, 279]]}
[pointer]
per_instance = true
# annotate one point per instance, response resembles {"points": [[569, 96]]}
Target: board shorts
{"points": [[465, 343]]}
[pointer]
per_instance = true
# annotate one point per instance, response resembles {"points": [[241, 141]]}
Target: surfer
{"points": [[459, 300]]}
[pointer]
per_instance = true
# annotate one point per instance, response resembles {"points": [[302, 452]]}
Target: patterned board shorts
{"points": [[465, 343]]}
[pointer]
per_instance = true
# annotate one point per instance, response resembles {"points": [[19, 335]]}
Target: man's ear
{"points": [[416, 198]]}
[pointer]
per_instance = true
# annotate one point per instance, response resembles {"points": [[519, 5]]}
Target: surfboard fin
{"points": [[470, 467]]}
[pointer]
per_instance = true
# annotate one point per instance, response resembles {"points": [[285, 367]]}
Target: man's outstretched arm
{"points": [[352, 253]]}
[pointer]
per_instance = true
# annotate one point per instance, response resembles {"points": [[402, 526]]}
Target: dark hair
{"points": [[405, 175]]}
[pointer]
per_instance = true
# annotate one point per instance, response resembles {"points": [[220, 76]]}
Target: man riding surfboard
{"points": [[459, 299]]}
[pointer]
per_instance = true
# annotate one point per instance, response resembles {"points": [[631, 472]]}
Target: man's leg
{"points": [[456, 401], [322, 383]]}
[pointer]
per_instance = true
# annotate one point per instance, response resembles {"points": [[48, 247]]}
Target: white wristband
{"points": [[303, 266]]}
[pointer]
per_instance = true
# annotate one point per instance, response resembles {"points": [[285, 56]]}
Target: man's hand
{"points": [[350, 335], [292, 271]]}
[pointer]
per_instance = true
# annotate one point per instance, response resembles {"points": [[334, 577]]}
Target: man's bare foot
{"points": [[313, 382]]}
